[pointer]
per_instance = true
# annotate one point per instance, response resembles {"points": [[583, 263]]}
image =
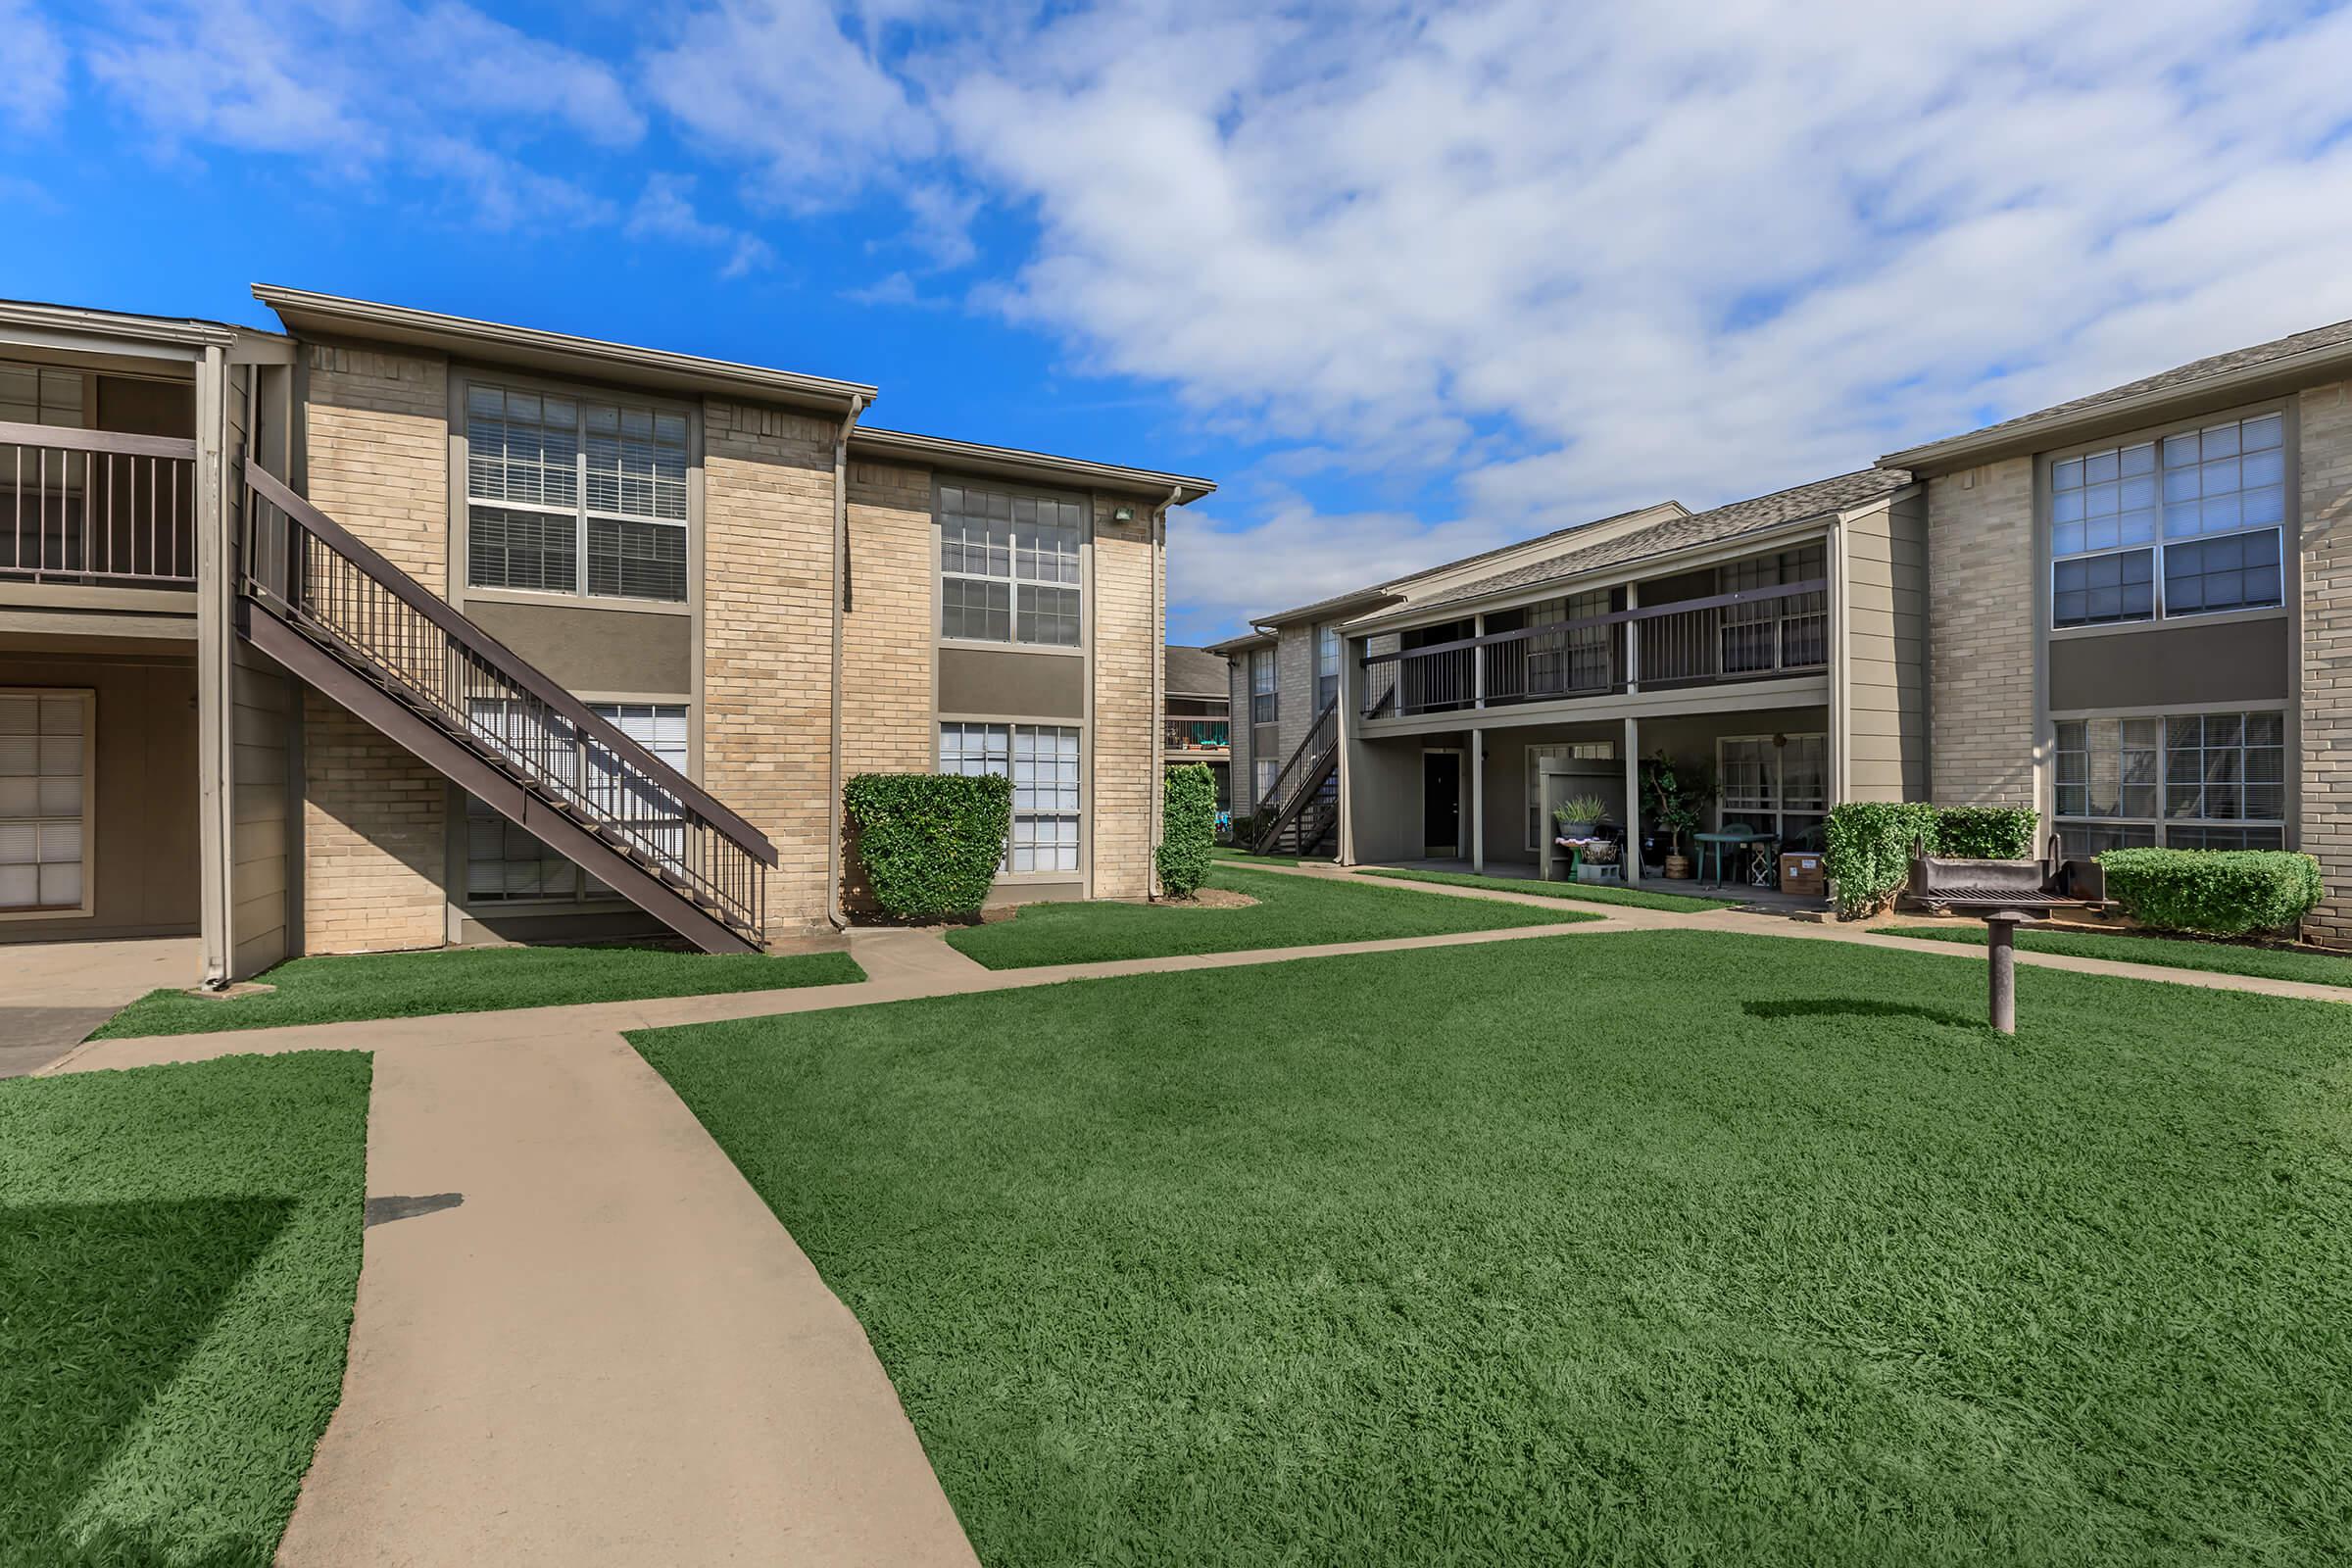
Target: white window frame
{"points": [[1780, 811], [1014, 580], [87, 821], [1075, 816], [585, 892], [2159, 826], [1263, 683], [1327, 664], [584, 515], [2160, 610]]}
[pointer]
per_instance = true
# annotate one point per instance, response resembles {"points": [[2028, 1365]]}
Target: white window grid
{"points": [[1778, 785], [554, 481], [1009, 567], [1264, 706], [2203, 779], [1042, 762], [505, 864], [2190, 522], [1327, 666], [47, 767]]}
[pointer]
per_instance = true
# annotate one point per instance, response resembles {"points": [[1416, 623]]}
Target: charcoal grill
{"points": [[2001, 893]]}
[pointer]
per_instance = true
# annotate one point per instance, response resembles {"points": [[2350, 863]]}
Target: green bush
{"points": [[1188, 828], [1867, 851], [2217, 893], [1987, 832], [931, 842]]}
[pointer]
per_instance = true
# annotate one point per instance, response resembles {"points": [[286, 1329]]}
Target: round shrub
{"points": [[931, 842], [2215, 893], [1188, 828]]}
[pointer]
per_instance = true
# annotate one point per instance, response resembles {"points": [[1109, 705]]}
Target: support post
{"points": [[1478, 801], [1632, 800], [2000, 942]]}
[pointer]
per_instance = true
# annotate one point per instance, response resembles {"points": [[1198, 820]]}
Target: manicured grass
{"points": [[1655, 1248], [1226, 852], [2171, 952], [409, 985], [1291, 911], [1588, 892], [179, 1251]]}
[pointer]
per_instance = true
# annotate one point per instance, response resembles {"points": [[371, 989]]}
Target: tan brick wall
{"points": [[374, 836], [768, 635], [1125, 792], [1981, 577], [2326, 462], [376, 435], [889, 633], [1295, 679]]}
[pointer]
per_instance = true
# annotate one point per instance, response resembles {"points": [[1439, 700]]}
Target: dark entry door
{"points": [[1441, 802]]}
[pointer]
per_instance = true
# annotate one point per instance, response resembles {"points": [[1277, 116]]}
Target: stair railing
{"points": [[1322, 737], [303, 567]]}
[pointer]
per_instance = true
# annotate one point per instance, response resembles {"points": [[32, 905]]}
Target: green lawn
{"points": [[1291, 911], [1654, 1247], [1227, 851], [179, 1251], [407, 984], [2170, 952], [1588, 892]]}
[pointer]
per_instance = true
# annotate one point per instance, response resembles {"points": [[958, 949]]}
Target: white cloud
{"points": [[32, 68], [665, 210]]}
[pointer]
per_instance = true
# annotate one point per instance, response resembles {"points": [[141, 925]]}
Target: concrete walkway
{"points": [[582, 1338], [52, 993]]}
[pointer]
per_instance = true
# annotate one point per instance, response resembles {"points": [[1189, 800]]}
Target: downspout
{"points": [[1156, 794], [841, 597]]}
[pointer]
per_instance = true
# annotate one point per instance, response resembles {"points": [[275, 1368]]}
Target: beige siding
{"points": [[1981, 603], [260, 840], [1886, 669], [1127, 641], [892, 627], [768, 631], [2326, 463]]}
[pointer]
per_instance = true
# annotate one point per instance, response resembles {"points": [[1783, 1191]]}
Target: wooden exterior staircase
{"points": [[1301, 814], [342, 618]]}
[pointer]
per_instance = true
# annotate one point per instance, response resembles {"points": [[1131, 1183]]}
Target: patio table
{"points": [[1719, 843]]}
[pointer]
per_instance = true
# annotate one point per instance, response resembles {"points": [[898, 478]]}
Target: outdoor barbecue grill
{"points": [[2001, 893]]}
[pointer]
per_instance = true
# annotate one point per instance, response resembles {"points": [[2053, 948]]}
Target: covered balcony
{"points": [[98, 485]]}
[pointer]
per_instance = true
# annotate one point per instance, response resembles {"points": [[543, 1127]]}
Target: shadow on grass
{"points": [[99, 1305], [1855, 1007]]}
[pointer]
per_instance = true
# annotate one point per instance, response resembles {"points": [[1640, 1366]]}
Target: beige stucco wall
{"points": [[1981, 608], [2326, 780], [1125, 783], [767, 637]]}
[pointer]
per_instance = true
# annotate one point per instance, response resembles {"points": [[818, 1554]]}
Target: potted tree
{"points": [[1677, 803]]}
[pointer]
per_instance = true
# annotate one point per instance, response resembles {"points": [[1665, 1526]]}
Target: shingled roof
{"points": [[1196, 673], [1820, 498], [2182, 379]]}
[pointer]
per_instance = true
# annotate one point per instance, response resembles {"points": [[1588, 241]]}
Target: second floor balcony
{"points": [[1197, 735], [96, 507], [1754, 634]]}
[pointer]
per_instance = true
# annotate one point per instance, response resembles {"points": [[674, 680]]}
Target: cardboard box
{"points": [[1803, 875]]}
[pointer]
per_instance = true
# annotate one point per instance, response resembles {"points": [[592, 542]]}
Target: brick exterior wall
{"points": [[1981, 598], [1295, 679], [1244, 779], [375, 818], [889, 633], [2324, 458], [374, 831], [767, 633], [1124, 787]]}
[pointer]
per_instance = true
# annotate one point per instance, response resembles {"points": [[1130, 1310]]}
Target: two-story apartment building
{"points": [[2131, 611], [393, 629], [1198, 715]]}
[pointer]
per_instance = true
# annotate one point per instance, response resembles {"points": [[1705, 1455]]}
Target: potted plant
{"points": [[1677, 799], [1578, 815]]}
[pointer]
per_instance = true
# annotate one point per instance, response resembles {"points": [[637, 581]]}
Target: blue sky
{"points": [[1408, 281]]}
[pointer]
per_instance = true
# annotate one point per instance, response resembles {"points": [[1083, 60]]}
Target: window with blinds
{"points": [[553, 482], [505, 864], [45, 775], [1043, 762]]}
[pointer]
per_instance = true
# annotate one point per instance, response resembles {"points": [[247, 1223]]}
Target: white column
{"points": [[215, 598], [1478, 801], [1633, 800]]}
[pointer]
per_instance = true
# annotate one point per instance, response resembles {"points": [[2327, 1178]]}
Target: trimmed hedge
{"points": [[931, 842], [1866, 850], [1188, 828], [1987, 832], [2218, 892]]}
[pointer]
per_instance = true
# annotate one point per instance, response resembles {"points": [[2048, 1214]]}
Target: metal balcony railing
{"points": [[97, 507]]}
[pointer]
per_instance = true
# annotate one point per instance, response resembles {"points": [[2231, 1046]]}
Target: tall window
{"points": [[552, 481], [1042, 761], [1767, 634], [1009, 568], [1262, 706], [506, 864], [2199, 516], [1327, 666], [46, 764], [1777, 785], [2190, 781], [1267, 769]]}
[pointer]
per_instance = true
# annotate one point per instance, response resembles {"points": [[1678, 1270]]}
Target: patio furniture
{"points": [[2001, 893], [1719, 842], [1575, 849], [1764, 862]]}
